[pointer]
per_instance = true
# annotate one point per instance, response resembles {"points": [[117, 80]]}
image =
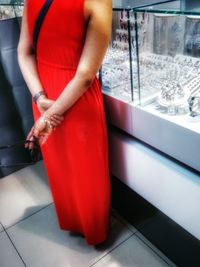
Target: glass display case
{"points": [[165, 113], [120, 67], [169, 59]]}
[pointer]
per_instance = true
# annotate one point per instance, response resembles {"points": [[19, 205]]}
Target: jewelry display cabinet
{"points": [[156, 155], [16, 117], [157, 99], [119, 73]]}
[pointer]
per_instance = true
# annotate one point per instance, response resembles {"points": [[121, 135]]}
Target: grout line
{"points": [[123, 221], [115, 214], [14, 246], [93, 264], [154, 250], [21, 220]]}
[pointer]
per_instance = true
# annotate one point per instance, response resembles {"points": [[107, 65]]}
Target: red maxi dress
{"points": [[75, 155]]}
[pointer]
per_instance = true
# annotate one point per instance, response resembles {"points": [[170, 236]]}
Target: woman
{"points": [[69, 114]]}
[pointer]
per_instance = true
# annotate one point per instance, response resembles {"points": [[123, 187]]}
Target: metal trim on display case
{"points": [[117, 7]]}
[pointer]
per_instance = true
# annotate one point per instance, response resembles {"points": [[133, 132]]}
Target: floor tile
{"points": [[8, 254], [22, 193], [157, 251], [132, 253], [41, 243]]}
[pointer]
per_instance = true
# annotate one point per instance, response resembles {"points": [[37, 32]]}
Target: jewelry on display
{"points": [[174, 98], [194, 104], [168, 77], [37, 95]]}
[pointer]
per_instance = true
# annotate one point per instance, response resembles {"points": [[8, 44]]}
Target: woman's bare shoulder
{"points": [[92, 6], [99, 1]]}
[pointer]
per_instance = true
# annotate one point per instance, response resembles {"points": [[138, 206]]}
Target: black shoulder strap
{"points": [[39, 21]]}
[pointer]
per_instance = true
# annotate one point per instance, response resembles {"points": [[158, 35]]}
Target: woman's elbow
{"points": [[86, 76], [23, 52], [88, 81]]}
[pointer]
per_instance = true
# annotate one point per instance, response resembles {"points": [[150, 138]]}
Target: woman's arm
{"points": [[27, 63], [26, 58], [99, 13], [99, 16]]}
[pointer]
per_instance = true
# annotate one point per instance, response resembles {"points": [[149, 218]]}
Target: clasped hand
{"points": [[44, 126]]}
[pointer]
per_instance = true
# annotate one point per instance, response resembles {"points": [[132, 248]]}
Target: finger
{"points": [[31, 144], [43, 138], [30, 134], [54, 124], [28, 138], [55, 121], [58, 117], [36, 133], [50, 101], [26, 145]]}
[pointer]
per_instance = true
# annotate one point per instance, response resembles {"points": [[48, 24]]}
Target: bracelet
{"points": [[37, 95]]}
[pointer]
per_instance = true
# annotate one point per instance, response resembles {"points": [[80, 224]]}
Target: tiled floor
{"points": [[30, 236]]}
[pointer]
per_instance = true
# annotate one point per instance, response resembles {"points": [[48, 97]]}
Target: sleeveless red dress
{"points": [[75, 155]]}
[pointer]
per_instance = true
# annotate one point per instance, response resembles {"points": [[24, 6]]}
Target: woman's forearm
{"points": [[28, 68], [72, 92]]}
